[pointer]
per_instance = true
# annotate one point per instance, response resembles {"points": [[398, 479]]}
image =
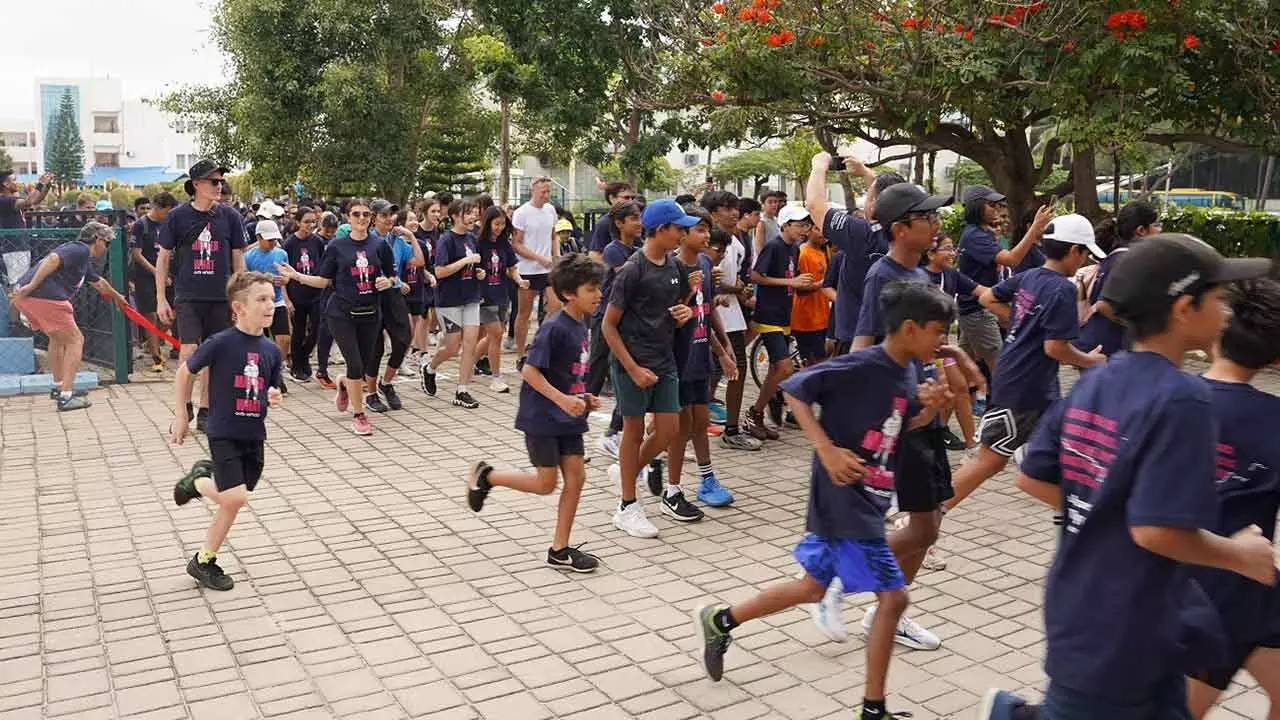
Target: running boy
{"points": [[553, 409], [1039, 308], [646, 306], [865, 405], [1129, 459], [245, 371]]}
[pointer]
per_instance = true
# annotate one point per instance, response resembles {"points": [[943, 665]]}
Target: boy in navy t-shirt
{"points": [[1039, 308], [866, 403], [245, 372], [554, 403], [1248, 484], [1130, 458]]}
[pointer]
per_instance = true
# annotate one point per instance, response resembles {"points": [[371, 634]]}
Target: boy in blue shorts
{"points": [[1129, 458], [554, 403], [245, 373], [867, 401]]}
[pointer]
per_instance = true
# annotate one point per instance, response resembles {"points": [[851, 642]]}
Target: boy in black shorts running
{"points": [[245, 372], [553, 410]]}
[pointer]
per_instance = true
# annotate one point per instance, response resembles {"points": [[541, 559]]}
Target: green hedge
{"points": [[1234, 234]]}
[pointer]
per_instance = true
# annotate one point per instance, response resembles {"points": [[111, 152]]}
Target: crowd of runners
{"points": [[1163, 486]]}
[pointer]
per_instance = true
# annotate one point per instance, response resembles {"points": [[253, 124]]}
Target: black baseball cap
{"points": [[980, 192], [897, 201], [200, 171], [380, 206], [1163, 267]]}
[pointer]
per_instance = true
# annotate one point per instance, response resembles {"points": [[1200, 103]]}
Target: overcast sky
{"points": [[100, 38]]}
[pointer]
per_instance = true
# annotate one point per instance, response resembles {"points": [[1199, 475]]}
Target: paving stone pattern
{"points": [[367, 589]]}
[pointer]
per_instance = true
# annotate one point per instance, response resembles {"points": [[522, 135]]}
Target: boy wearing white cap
{"points": [[263, 257]]}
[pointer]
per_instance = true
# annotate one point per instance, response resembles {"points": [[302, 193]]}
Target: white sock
{"points": [[462, 388], [64, 395], [672, 490], [497, 375]]}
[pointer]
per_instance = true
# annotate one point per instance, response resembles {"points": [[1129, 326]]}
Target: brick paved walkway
{"points": [[366, 588]]}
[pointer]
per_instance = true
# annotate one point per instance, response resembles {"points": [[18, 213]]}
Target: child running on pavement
{"points": [[1129, 458], [245, 371], [646, 306], [866, 401], [553, 409]]}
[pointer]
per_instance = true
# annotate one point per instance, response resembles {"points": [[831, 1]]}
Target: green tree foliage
{"points": [[64, 150], [6, 160], [456, 151], [755, 166]]}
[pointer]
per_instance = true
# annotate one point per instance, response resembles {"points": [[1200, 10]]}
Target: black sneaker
{"points": [[475, 479], [184, 491], [191, 412], [300, 379], [464, 399], [571, 558], [428, 382], [677, 507], [886, 715], [209, 574], [519, 365], [654, 476], [373, 403], [202, 419], [775, 410], [55, 393], [393, 398], [715, 642], [284, 389], [952, 441], [482, 367], [789, 422]]}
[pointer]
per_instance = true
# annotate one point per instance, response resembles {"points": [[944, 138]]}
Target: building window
{"points": [[690, 160], [16, 139], [182, 161], [106, 159], [180, 127], [106, 124]]}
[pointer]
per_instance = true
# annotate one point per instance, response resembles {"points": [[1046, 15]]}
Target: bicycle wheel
{"points": [[758, 358]]}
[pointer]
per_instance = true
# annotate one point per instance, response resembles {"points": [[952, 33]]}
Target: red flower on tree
{"points": [[762, 17], [939, 28], [1068, 46], [787, 36], [909, 22], [815, 41], [968, 34], [774, 40], [718, 8], [1132, 19], [1191, 42], [774, 3], [959, 29], [745, 14], [717, 96], [1275, 45], [757, 4]]}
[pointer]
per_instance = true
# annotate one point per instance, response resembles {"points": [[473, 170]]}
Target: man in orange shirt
{"points": [[810, 309]]}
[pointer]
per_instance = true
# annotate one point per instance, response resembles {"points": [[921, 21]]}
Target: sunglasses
{"points": [[215, 181], [931, 216], [360, 214]]}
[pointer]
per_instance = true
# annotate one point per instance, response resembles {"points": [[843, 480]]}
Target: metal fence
{"points": [[106, 335]]}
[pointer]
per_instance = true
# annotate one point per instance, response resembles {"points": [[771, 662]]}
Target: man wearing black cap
{"points": [[204, 241], [1130, 458]]}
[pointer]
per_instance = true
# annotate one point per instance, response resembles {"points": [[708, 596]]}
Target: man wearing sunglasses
{"points": [[203, 242]]}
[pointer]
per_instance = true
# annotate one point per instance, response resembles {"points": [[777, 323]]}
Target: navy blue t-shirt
{"points": [[864, 398], [601, 235], [560, 351], [241, 369], [1042, 307], [1098, 330], [952, 282], [304, 256], [832, 280], [460, 288], [977, 258], [773, 302], [857, 241], [497, 257], [75, 266], [1033, 259], [882, 272], [427, 241], [1132, 445], [615, 255], [144, 237], [353, 267], [202, 242], [693, 339]]}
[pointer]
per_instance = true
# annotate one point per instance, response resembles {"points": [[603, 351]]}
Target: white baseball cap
{"points": [[268, 229], [269, 210], [792, 213], [1076, 230]]}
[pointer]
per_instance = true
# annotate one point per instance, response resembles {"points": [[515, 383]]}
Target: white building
{"points": [[128, 140]]}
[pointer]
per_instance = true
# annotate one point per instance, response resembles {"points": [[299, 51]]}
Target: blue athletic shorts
{"points": [[862, 565]]}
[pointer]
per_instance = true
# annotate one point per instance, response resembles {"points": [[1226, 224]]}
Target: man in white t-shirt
{"points": [[533, 238]]}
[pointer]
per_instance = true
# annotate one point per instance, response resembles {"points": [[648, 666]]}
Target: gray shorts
{"points": [[459, 316], [980, 334], [494, 314]]}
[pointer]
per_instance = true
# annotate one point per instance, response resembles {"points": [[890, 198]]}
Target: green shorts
{"points": [[662, 396]]}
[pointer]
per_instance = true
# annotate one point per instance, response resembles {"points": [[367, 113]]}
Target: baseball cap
{"points": [[269, 209], [200, 171], [381, 206], [1165, 266], [792, 213], [1076, 230], [268, 229], [666, 212], [564, 226], [980, 192], [898, 201]]}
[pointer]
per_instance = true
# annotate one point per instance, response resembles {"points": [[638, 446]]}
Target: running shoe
{"points": [[908, 633], [653, 475], [428, 382], [360, 425], [464, 400], [608, 444], [476, 494], [341, 401], [373, 403], [753, 423], [712, 493], [999, 705], [633, 521], [209, 574], [157, 365], [75, 402], [715, 642], [740, 441], [716, 412], [571, 558], [202, 418], [499, 386], [676, 507], [827, 612], [482, 367], [406, 369], [325, 382], [952, 441], [393, 397], [184, 491], [300, 379]]}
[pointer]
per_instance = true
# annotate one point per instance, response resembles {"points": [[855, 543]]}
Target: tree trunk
{"points": [[1115, 181], [933, 169], [504, 156], [1266, 182], [760, 180], [1085, 171], [634, 120], [918, 169]]}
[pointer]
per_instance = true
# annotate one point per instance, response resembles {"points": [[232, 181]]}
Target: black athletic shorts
{"points": [[546, 450], [280, 322], [777, 344], [417, 308], [1004, 431], [199, 320], [922, 478], [236, 462], [811, 344], [842, 347], [695, 392], [144, 293], [538, 283]]}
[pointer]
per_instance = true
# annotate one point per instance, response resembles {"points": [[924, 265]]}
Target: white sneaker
{"points": [[433, 339], [934, 559], [509, 344], [908, 633], [499, 386], [826, 613], [406, 370], [632, 521], [608, 446], [424, 360]]}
